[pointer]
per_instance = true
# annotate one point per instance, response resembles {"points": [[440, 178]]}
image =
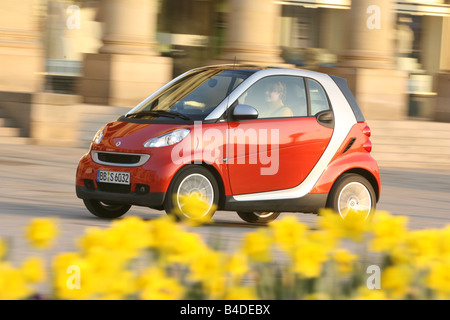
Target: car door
{"points": [[277, 150]]}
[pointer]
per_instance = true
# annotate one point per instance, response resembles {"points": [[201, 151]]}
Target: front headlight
{"points": [[167, 139], [99, 135]]}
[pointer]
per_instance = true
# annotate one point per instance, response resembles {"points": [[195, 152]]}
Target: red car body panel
{"points": [[355, 159], [302, 142]]}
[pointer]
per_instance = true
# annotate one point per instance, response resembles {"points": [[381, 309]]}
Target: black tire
{"points": [[192, 179], [352, 192], [258, 217], [106, 210]]}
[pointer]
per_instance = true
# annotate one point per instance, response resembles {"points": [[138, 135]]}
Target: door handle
{"points": [[326, 118]]}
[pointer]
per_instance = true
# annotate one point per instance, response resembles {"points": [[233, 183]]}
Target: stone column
{"points": [[368, 63], [442, 79], [371, 38], [129, 27], [128, 67], [21, 57], [252, 31]]}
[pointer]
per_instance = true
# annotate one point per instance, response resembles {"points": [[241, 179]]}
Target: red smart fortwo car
{"points": [[254, 140]]}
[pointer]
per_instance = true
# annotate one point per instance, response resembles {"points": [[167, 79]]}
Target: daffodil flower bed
{"points": [[159, 259]]}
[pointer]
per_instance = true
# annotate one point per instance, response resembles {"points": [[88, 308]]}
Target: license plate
{"points": [[113, 177]]}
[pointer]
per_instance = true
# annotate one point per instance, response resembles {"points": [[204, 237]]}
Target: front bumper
{"points": [[148, 186], [153, 200]]}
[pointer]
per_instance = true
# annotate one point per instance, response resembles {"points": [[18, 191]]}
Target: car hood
{"points": [[128, 136]]}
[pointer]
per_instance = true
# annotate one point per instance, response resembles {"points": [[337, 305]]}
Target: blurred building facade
{"points": [[394, 54]]}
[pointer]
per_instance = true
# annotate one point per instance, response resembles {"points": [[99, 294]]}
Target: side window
{"points": [[318, 97], [277, 97]]}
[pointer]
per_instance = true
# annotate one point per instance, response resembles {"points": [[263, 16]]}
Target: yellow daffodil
{"points": [[184, 248], [164, 232], [153, 284], [323, 238], [353, 226], [241, 293], [288, 232], [96, 259], [344, 260], [195, 207], [237, 265], [73, 277], [127, 237], [33, 269], [207, 265], [209, 270], [257, 245], [444, 243], [41, 232], [308, 259], [121, 285], [396, 280], [93, 237], [388, 231], [439, 279], [134, 233], [364, 293], [317, 296], [215, 287], [424, 247], [13, 284], [399, 254], [113, 262]]}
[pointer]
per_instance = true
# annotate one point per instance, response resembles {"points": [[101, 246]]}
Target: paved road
{"points": [[38, 181]]}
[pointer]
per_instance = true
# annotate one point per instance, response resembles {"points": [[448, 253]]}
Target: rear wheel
{"points": [[352, 192], [258, 216], [106, 210]]}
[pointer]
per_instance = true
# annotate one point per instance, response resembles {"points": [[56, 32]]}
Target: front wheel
{"points": [[258, 217], [106, 210], [199, 185], [352, 192]]}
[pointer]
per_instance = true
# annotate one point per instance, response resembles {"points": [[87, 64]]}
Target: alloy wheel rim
{"points": [[197, 185], [354, 197], [264, 214], [109, 206]]}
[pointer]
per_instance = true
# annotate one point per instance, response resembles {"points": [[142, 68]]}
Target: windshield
{"points": [[194, 96]]}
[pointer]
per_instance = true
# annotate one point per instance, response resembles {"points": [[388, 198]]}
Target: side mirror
{"points": [[244, 112]]}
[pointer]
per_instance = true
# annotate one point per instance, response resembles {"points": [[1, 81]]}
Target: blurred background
{"points": [[68, 66]]}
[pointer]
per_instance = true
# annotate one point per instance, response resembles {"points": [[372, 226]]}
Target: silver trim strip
{"points": [[143, 159]]}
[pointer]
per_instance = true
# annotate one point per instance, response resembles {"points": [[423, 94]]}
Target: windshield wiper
{"points": [[177, 114], [159, 113]]}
